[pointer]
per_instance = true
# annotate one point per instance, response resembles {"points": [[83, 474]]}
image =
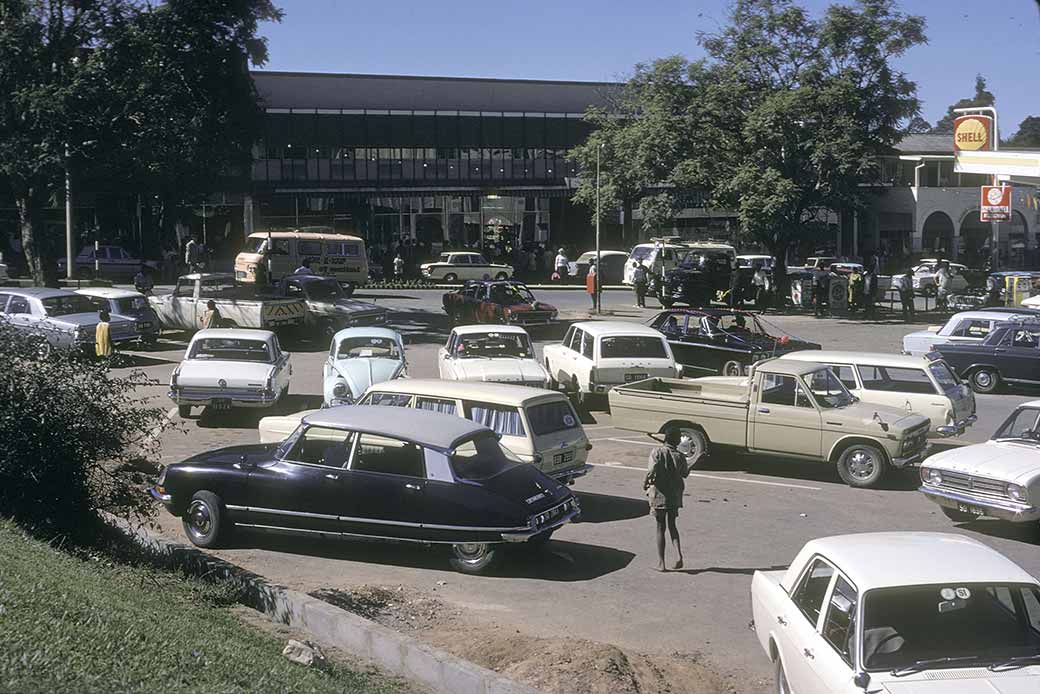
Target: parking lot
{"points": [[596, 579]]}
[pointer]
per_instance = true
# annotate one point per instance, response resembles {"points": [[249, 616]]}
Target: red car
{"points": [[497, 301]]}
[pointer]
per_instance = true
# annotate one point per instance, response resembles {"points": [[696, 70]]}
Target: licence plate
{"points": [[240, 274], [221, 404], [636, 377], [974, 510], [561, 458]]}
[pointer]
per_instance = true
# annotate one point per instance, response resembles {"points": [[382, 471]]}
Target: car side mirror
{"points": [[680, 371]]}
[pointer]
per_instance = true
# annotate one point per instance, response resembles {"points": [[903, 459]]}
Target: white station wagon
{"points": [[925, 385], [595, 356], [999, 478], [899, 613], [491, 353], [224, 368]]}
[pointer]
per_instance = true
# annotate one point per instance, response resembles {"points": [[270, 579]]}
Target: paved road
{"points": [[596, 579]]}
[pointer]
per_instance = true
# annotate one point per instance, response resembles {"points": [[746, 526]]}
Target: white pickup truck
{"points": [[784, 408], [899, 613], [238, 304]]}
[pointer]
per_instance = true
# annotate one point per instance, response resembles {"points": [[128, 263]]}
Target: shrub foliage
{"points": [[71, 432]]}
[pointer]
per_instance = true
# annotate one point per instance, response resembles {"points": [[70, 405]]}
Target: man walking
{"points": [[942, 286], [639, 283], [561, 266], [193, 255], [664, 485], [590, 283], [905, 287], [869, 293], [760, 280]]}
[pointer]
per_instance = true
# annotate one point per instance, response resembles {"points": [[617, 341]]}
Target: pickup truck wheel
{"points": [[451, 278], [958, 516], [473, 558], [693, 444], [985, 380], [862, 465], [782, 687], [732, 368], [184, 411], [204, 521]]}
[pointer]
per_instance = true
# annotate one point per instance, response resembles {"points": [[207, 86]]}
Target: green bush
{"points": [[72, 434]]}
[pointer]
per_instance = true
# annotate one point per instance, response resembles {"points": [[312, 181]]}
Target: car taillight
{"points": [[592, 375], [173, 378]]}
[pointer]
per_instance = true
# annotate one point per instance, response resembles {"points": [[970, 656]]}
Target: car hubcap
{"points": [[471, 553], [732, 369], [861, 464], [690, 444], [983, 379], [200, 521]]}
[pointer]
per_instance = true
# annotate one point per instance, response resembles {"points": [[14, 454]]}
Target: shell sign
{"points": [[972, 133]]}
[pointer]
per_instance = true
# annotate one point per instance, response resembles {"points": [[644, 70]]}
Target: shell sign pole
{"points": [[973, 133]]}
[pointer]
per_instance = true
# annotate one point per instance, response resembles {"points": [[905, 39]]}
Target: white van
{"points": [[331, 255], [655, 257]]}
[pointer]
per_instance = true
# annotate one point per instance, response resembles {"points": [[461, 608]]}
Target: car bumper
{"points": [[159, 494], [957, 428], [525, 535], [200, 397], [903, 461], [1008, 510], [568, 476]]}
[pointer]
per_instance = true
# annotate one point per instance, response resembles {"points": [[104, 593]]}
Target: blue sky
{"points": [[585, 40]]}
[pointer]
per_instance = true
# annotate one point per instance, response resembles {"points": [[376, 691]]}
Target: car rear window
{"points": [[481, 458], [66, 305], [230, 349], [550, 417], [900, 380], [944, 376], [387, 399], [632, 346]]}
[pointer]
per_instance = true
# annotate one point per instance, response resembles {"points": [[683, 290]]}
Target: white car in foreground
{"points": [[225, 368], [899, 613], [999, 478], [492, 353]]}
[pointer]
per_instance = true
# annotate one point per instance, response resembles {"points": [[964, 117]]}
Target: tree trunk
{"points": [[37, 260]]}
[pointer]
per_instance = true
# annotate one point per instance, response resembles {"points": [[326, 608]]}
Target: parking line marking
{"points": [[716, 477]]}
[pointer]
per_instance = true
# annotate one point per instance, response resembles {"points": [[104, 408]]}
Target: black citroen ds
{"points": [[354, 471]]}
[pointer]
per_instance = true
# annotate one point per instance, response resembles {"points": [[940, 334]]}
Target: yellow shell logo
{"points": [[971, 133]]}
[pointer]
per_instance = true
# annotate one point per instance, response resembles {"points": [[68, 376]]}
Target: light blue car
{"points": [[359, 358]]}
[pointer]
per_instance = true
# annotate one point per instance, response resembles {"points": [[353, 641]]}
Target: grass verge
{"points": [[86, 624]]}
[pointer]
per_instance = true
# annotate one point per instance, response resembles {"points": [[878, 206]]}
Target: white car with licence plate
{"points": [[925, 385], [899, 613], [226, 368], [595, 356], [491, 353], [999, 478]]}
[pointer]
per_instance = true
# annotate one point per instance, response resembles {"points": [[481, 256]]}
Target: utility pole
{"points": [[70, 259], [598, 282]]}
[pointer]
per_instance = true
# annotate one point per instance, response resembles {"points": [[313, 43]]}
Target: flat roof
{"points": [[892, 559], [429, 429], [313, 90], [495, 393]]}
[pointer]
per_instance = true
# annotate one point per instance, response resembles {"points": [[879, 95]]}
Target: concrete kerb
{"points": [[396, 653]]}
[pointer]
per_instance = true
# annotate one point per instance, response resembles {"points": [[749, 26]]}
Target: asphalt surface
{"points": [[596, 579]]}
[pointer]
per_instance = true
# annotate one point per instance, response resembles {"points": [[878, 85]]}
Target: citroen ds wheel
{"points": [[862, 465], [451, 278], [692, 443], [985, 380], [732, 368], [204, 521], [473, 558]]}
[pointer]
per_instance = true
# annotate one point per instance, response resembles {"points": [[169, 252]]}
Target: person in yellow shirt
{"points": [[102, 337]]}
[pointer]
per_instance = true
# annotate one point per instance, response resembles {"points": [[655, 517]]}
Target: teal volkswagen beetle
{"points": [[358, 358]]}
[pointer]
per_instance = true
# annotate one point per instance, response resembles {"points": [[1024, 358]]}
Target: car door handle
{"points": [[781, 621], [764, 410], [412, 487], [807, 652], [330, 476]]}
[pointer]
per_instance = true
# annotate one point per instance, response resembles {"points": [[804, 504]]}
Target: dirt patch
{"points": [[552, 665]]}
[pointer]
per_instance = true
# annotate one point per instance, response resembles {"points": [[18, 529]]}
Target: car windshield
{"points": [[131, 304], [551, 417], [829, 392], [511, 294], [494, 345], [641, 252], [632, 347], [968, 622], [322, 290], [66, 305], [255, 245], [700, 258], [944, 376], [481, 458], [736, 323], [358, 347], [230, 349], [1021, 426]]}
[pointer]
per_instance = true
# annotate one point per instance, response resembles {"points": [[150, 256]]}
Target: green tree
{"points": [[156, 95], [1028, 133], [918, 126], [983, 97], [782, 121]]}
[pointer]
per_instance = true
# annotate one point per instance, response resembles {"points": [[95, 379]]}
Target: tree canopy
{"points": [[781, 121], [983, 97], [1028, 133]]}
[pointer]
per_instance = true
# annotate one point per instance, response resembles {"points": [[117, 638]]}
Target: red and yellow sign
{"points": [[972, 133], [996, 204]]}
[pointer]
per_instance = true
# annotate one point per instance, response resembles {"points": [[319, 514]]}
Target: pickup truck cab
{"points": [[785, 408], [238, 304], [595, 356], [899, 613]]}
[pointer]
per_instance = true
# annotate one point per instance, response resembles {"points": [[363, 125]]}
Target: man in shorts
{"points": [[664, 485]]}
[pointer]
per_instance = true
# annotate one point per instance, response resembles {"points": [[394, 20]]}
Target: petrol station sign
{"points": [[972, 133], [996, 204]]}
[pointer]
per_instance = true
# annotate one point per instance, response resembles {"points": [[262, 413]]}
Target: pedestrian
{"points": [[664, 485], [211, 316], [942, 286], [869, 293], [103, 336], [193, 255], [305, 267], [820, 287], [855, 289], [261, 274], [561, 265], [590, 283], [398, 267], [639, 283], [760, 280], [992, 290], [143, 281], [904, 284], [735, 294]]}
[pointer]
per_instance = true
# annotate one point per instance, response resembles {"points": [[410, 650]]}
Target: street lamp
{"points": [[598, 288]]}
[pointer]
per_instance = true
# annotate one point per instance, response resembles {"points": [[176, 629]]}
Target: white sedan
{"points": [[999, 478], [969, 326], [899, 613], [494, 353], [225, 368]]}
